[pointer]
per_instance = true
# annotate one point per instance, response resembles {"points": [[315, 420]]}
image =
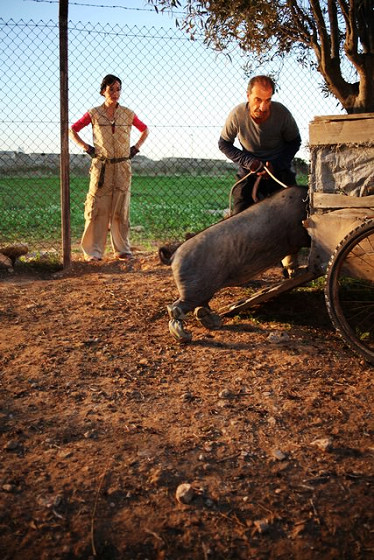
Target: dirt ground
{"points": [[104, 416]]}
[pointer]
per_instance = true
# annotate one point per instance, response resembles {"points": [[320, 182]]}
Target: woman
{"points": [[108, 200]]}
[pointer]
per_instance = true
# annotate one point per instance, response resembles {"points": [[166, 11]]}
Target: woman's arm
{"points": [[144, 131], [76, 127], [142, 138]]}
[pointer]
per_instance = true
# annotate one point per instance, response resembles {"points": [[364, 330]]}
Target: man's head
{"points": [[259, 93]]}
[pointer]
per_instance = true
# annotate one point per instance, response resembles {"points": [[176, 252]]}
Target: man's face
{"points": [[259, 100]]}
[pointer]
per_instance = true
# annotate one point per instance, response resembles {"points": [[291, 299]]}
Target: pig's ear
{"points": [[188, 235]]}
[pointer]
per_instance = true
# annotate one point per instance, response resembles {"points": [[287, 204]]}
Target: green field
{"points": [[162, 207]]}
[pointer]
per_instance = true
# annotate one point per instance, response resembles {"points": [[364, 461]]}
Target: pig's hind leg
{"points": [[207, 317], [177, 313]]}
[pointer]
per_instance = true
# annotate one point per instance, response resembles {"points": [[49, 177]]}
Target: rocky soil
{"points": [[254, 441]]}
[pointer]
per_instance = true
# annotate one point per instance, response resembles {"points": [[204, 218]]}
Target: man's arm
{"points": [[243, 158], [284, 160]]}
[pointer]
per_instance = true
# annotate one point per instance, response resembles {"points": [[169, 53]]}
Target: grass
{"points": [[162, 207]]}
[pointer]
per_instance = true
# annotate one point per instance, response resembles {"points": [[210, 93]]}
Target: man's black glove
{"points": [[133, 151], [91, 151]]}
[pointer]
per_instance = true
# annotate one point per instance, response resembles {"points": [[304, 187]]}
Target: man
{"points": [[268, 135]]}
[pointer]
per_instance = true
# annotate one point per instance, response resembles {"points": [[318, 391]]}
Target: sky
{"points": [[157, 112], [123, 12]]}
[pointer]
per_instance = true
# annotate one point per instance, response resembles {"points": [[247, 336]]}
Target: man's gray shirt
{"points": [[277, 139]]}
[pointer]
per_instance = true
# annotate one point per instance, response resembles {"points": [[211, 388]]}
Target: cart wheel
{"points": [[349, 290]]}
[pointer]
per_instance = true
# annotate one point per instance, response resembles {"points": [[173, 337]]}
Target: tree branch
{"points": [[334, 30]]}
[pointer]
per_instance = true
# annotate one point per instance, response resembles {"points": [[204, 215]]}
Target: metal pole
{"points": [[64, 135]]}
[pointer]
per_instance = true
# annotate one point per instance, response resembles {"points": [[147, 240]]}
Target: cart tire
{"points": [[349, 289]]}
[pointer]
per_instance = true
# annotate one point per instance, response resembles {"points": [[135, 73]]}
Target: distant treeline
{"points": [[14, 163]]}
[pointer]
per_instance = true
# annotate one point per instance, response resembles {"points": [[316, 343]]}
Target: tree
{"points": [[337, 36]]}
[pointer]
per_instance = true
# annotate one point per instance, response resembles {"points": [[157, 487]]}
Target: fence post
{"points": [[64, 137]]}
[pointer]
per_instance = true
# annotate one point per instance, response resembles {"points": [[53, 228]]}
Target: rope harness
{"points": [[255, 186]]}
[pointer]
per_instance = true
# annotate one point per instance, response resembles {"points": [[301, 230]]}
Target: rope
{"points": [[275, 179], [255, 187]]}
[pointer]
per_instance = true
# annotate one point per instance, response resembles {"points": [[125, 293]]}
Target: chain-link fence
{"points": [[182, 90]]}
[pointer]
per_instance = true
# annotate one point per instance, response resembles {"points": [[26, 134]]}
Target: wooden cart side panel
{"points": [[327, 230], [342, 169], [330, 201], [342, 129], [342, 155]]}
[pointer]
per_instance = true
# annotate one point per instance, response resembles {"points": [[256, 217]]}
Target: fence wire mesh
{"points": [[181, 89]]}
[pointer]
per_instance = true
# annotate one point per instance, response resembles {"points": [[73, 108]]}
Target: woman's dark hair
{"points": [[108, 81]]}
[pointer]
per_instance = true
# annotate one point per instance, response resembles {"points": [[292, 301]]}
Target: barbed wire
{"points": [[106, 6], [141, 31]]}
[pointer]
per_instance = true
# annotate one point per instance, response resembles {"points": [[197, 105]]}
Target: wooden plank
{"points": [[352, 129], [268, 293], [357, 116], [334, 201]]}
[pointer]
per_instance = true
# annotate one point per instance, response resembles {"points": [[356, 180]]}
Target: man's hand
{"points": [[91, 151], [268, 165], [133, 151], [256, 166]]}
